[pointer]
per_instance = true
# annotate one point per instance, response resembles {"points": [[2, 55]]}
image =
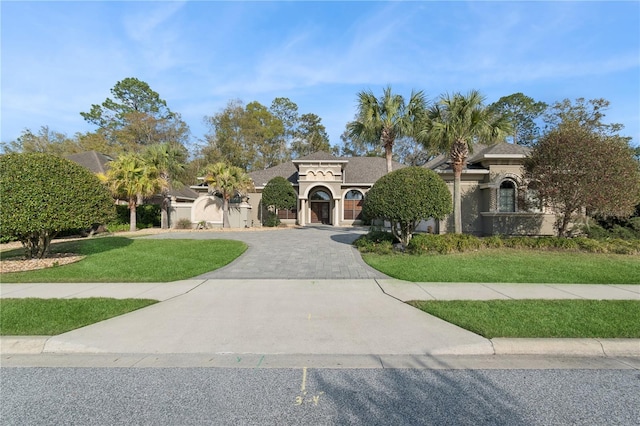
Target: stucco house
{"points": [[495, 199], [181, 198], [331, 189]]}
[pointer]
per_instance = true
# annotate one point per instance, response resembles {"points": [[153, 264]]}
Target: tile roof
{"points": [[183, 193], [318, 156], [502, 148], [356, 169], [441, 162], [366, 169], [91, 160], [287, 170]]}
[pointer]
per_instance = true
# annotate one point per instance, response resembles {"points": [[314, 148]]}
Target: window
{"points": [[320, 196], [507, 196], [287, 214], [353, 205]]}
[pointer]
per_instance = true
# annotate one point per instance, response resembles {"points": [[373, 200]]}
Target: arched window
{"points": [[507, 196], [353, 205], [320, 195]]}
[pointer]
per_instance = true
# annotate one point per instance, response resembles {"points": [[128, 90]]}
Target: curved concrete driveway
{"points": [[316, 252]]}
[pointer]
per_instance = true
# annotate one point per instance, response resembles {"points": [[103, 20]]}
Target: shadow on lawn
{"points": [[85, 246]]}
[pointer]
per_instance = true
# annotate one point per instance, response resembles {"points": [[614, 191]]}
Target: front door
{"points": [[320, 212]]}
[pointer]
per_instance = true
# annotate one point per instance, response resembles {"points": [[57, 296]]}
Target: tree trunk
{"points": [[132, 214], [164, 212], [457, 203], [563, 224], [388, 149], [225, 214], [459, 153], [388, 152]]}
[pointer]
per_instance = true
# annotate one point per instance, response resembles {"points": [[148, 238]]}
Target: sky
{"points": [[59, 58]]}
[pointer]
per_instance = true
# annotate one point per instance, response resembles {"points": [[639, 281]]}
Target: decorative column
{"points": [[336, 212], [302, 212]]}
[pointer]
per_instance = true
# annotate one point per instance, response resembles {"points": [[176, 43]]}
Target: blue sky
{"points": [[58, 58]]}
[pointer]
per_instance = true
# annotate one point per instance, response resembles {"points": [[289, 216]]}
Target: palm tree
{"points": [[169, 159], [130, 177], [454, 125], [227, 180], [385, 119]]}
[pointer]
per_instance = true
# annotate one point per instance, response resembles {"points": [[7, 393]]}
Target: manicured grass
{"points": [[120, 259], [48, 317], [512, 266], [541, 318]]}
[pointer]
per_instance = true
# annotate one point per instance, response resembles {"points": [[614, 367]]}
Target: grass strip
{"points": [[510, 266], [48, 317], [540, 318], [121, 259]]}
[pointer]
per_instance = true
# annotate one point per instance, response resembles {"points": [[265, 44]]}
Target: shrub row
{"points": [[629, 232], [382, 242], [147, 216]]}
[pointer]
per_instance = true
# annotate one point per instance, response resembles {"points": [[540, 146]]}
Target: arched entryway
{"points": [[320, 202]]}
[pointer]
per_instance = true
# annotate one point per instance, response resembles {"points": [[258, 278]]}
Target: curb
{"points": [[33, 345], [567, 347], [23, 345]]}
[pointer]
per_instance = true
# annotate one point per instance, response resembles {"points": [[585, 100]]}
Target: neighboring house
{"points": [[92, 160], [495, 198], [181, 199]]}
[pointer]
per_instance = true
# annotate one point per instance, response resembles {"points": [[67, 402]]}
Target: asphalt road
{"points": [[292, 396]]}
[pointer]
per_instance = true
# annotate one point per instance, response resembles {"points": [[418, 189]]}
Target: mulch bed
{"points": [[20, 265]]}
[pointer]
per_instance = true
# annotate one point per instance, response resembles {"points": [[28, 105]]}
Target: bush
{"points": [[271, 219], [184, 223], [117, 227], [7, 239], [443, 244], [43, 195], [590, 245], [451, 243], [494, 241], [376, 241], [147, 215], [405, 197], [279, 194]]}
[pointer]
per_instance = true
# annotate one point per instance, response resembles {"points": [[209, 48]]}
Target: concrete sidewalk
{"points": [[297, 317]]}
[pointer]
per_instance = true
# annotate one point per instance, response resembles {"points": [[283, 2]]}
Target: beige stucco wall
{"points": [[518, 223], [255, 216], [512, 169], [207, 208], [179, 211], [471, 200]]}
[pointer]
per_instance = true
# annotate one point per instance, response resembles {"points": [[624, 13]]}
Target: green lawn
{"points": [[48, 317], [121, 259], [541, 318], [510, 265]]}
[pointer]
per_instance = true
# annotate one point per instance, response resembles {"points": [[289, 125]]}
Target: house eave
{"points": [[502, 156], [464, 172]]}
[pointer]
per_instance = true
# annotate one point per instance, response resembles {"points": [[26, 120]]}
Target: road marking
{"points": [[304, 379], [302, 398]]}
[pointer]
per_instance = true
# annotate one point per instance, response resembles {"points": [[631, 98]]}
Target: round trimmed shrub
{"points": [[42, 194], [278, 194], [406, 196]]}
